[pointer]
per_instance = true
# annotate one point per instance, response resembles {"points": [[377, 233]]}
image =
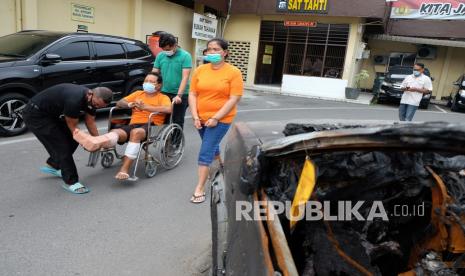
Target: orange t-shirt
{"points": [[141, 117], [213, 89]]}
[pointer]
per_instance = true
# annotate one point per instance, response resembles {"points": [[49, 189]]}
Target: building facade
{"points": [[129, 18], [309, 47], [420, 31]]}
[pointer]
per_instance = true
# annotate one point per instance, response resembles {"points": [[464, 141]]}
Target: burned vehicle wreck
{"points": [[379, 199]]}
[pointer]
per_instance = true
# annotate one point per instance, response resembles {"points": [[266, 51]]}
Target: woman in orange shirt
{"points": [[216, 88]]}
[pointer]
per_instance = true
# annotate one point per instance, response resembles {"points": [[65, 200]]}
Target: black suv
{"points": [[31, 61], [390, 89]]}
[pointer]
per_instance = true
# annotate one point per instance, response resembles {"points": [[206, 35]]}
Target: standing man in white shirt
{"points": [[414, 86]]}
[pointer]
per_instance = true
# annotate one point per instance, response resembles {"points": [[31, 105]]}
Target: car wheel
{"points": [[11, 117], [449, 102], [454, 106]]}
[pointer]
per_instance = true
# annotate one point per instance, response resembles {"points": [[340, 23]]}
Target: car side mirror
{"points": [[51, 58], [456, 83]]}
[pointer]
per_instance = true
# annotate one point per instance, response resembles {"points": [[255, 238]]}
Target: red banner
{"points": [[429, 9]]}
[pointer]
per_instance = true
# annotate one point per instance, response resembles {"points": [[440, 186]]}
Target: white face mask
{"points": [[169, 53]]}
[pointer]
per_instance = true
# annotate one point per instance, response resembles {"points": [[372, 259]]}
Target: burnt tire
{"points": [[11, 117]]}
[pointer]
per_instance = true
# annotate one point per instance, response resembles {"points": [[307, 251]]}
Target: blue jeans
{"points": [[211, 139], [406, 112]]}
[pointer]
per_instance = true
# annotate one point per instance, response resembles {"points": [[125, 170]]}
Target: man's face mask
{"points": [[416, 73], [213, 58], [169, 53], [149, 87]]}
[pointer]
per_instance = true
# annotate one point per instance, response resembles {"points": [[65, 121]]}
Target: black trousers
{"points": [[57, 139], [179, 110]]}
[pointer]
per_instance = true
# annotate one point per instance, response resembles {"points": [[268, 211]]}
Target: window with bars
{"points": [[312, 51]]}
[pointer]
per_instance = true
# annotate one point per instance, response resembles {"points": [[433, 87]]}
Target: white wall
{"points": [[314, 87], [7, 17]]}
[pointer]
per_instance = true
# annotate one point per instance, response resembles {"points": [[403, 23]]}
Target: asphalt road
{"points": [[143, 228]]}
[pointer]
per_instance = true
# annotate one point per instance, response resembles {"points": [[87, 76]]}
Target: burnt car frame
{"points": [[263, 165]]}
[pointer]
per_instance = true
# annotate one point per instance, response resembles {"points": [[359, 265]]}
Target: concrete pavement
{"points": [[144, 228]]}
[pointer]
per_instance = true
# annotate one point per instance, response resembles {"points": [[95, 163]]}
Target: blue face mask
{"points": [[149, 87], [416, 73], [213, 58]]}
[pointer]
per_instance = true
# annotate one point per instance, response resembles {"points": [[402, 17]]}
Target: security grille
{"points": [[314, 51], [239, 52]]}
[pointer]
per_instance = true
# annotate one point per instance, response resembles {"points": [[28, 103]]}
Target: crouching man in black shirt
{"points": [[53, 116]]}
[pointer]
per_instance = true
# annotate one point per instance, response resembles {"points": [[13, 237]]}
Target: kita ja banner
{"points": [[429, 9]]}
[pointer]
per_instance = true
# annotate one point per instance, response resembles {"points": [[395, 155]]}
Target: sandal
{"points": [[50, 170], [198, 199], [122, 176], [76, 188]]}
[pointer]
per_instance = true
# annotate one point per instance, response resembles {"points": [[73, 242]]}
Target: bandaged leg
{"points": [[132, 149], [94, 143]]}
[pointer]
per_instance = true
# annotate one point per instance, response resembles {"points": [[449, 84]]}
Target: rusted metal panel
{"points": [[281, 249], [437, 136]]}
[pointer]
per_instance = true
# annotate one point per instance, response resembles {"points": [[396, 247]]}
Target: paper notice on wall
{"points": [[269, 49], [266, 59]]}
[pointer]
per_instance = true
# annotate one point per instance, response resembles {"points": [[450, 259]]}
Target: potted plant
{"points": [[353, 93]]}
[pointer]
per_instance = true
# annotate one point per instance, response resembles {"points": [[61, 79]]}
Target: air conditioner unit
{"points": [[426, 52], [380, 59]]}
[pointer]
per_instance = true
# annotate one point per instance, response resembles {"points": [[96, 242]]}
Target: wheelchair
{"points": [[163, 147]]}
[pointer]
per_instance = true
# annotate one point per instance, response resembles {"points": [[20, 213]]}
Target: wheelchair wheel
{"points": [[169, 148], [150, 169], [107, 159]]}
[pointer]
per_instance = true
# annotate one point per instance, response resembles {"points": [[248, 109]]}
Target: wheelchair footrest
{"points": [[93, 159]]}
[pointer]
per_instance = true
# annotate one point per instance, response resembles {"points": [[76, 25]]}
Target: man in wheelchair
{"points": [[142, 102]]}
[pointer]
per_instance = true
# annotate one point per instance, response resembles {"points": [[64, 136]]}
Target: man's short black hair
{"points": [[167, 39], [420, 64], [159, 33], [158, 75], [104, 93]]}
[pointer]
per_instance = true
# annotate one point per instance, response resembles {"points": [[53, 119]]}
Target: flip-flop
{"points": [[50, 170], [126, 175], [197, 199], [75, 187]]}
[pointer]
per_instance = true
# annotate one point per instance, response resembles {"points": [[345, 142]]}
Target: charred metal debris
{"points": [[432, 243]]}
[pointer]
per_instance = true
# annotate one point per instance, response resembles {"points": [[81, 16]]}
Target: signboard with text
{"points": [[300, 24], [82, 13], [204, 27], [429, 9], [302, 6]]}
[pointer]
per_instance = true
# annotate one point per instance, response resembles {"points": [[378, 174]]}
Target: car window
{"points": [[109, 50], [24, 44], [135, 51], [74, 51]]}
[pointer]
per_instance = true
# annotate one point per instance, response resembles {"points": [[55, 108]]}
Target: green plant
{"points": [[363, 75]]}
